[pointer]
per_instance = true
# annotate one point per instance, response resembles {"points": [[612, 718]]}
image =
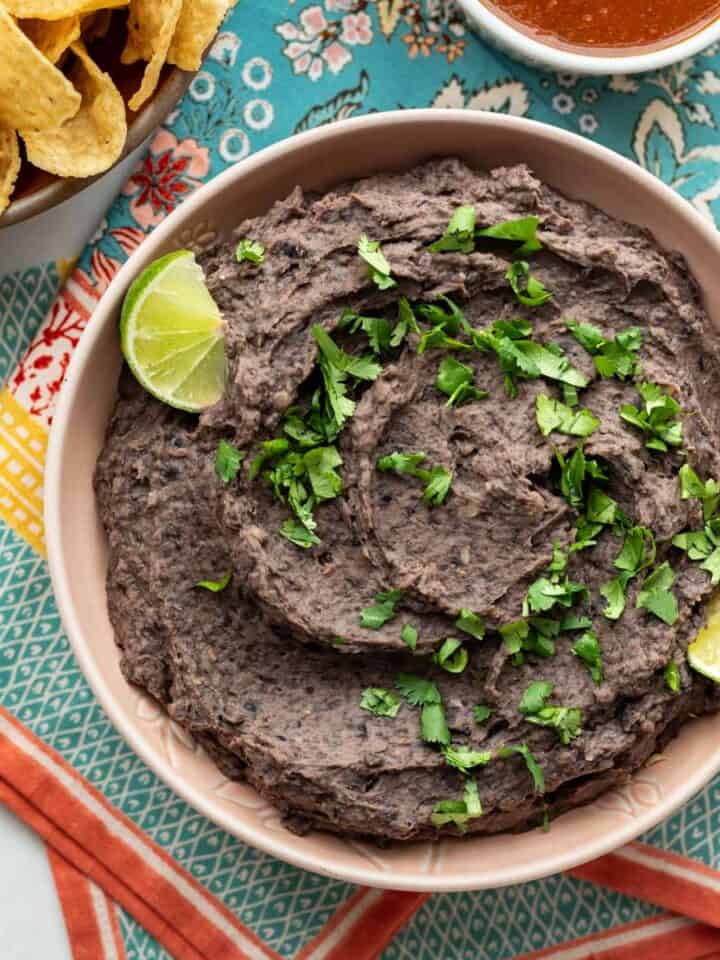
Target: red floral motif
{"points": [[171, 169], [39, 376], [103, 268]]}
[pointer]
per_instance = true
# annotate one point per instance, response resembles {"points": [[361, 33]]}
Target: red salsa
{"points": [[608, 24]]}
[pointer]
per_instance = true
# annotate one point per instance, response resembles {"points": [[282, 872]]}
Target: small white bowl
{"points": [[536, 53]]}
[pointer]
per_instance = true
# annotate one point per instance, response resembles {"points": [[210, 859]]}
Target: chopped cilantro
{"points": [[703, 545], [527, 288], [536, 637], [406, 323], [459, 812], [452, 319], [227, 461], [336, 366], [320, 464], [251, 250], [656, 596], [379, 269], [377, 329], [613, 358], [433, 725], [522, 230], [544, 594], [658, 418], [409, 635], [482, 713], [437, 479], [692, 487], [465, 758], [523, 359], [637, 554], [672, 677], [575, 474], [471, 623], [298, 534], [459, 233], [269, 449], [215, 586], [379, 702], [423, 693], [383, 610], [566, 721], [533, 700], [455, 380], [417, 690], [437, 339], [533, 767], [587, 649], [554, 415], [452, 656]]}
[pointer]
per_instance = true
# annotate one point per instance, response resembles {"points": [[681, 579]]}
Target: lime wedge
{"points": [[171, 334], [704, 651]]}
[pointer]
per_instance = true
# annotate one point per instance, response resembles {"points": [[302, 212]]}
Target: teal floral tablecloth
{"points": [[279, 67]]}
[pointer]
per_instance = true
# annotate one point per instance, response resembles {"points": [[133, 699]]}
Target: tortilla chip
{"points": [[151, 26], [33, 93], [95, 26], [57, 9], [197, 26], [9, 165], [52, 37], [91, 141]]}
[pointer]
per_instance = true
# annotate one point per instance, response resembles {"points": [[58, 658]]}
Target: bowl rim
{"points": [[473, 878], [567, 61], [140, 127]]}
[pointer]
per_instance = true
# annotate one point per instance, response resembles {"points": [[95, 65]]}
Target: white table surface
{"points": [[31, 921]]}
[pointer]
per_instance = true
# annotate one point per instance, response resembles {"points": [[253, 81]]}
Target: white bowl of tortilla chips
{"points": [[84, 82]]}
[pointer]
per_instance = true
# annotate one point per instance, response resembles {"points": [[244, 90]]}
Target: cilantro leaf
{"points": [[437, 479], [452, 320], [459, 233], [215, 586], [566, 721], [227, 461], [320, 464], [614, 593], [437, 339], [575, 474], [544, 594], [379, 269], [451, 656], [612, 358], [637, 554], [251, 250], [406, 323], [658, 418], [433, 726], [269, 449], [553, 415], [417, 690], [533, 700], [459, 812], [527, 288], [383, 610], [656, 596], [533, 767], [377, 329], [465, 758], [298, 534], [522, 230], [379, 702], [455, 380], [587, 649], [672, 677], [692, 487], [471, 623], [482, 713], [409, 635]]}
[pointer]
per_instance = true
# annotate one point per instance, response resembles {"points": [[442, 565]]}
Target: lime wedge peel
{"points": [[171, 334], [704, 652]]}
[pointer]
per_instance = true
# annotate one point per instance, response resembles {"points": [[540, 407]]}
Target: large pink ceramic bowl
{"points": [[77, 549]]}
